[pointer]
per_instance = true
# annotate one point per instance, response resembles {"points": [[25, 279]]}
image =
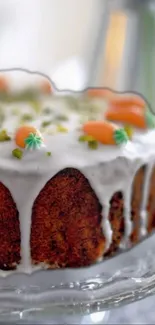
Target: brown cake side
{"points": [[66, 221], [9, 231], [116, 217], [151, 204]]}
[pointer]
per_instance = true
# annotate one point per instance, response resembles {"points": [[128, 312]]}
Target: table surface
{"points": [[141, 312]]}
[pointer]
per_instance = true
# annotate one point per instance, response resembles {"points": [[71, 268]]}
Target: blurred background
{"points": [[51, 36], [108, 43]]}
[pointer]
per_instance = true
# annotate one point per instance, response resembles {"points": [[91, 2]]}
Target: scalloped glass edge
{"points": [[119, 280]]}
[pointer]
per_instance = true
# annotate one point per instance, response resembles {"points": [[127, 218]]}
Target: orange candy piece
{"points": [[22, 133], [132, 115], [104, 132], [100, 93], [126, 101], [46, 87], [4, 85]]}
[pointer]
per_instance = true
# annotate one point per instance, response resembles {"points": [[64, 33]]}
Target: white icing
{"points": [[106, 226], [108, 169], [143, 210], [127, 213]]}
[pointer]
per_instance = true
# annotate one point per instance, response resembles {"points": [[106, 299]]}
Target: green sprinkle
{"points": [[62, 118], [120, 136], [48, 153], [62, 129], [44, 124], [4, 136], [129, 131], [93, 144], [82, 138], [86, 138], [17, 153], [26, 118], [47, 111], [150, 119]]}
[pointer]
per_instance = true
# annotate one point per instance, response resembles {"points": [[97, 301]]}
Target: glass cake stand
{"points": [[79, 296]]}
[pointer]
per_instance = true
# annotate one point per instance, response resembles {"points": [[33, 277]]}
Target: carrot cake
{"points": [[77, 177]]}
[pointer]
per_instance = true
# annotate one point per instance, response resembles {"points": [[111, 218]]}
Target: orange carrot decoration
{"points": [[105, 132], [4, 85], [126, 101], [23, 133], [100, 93], [132, 115], [46, 87]]}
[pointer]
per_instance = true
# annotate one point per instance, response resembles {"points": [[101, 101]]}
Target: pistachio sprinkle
{"points": [[92, 143], [17, 153], [4, 136], [48, 153], [61, 128], [44, 124]]}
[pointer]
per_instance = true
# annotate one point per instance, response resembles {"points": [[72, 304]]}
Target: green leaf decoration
{"points": [[150, 119], [33, 142], [120, 136]]}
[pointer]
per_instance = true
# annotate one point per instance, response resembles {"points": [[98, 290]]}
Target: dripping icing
{"points": [[143, 209], [106, 226], [106, 174]]}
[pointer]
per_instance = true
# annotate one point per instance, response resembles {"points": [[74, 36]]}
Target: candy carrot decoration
{"points": [[100, 93], [46, 87], [23, 133], [4, 84], [132, 115], [105, 132], [126, 101]]}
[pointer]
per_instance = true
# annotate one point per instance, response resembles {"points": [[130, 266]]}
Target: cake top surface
{"points": [[60, 117]]}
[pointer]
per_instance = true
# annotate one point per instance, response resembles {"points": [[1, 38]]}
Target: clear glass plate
{"points": [[120, 280]]}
